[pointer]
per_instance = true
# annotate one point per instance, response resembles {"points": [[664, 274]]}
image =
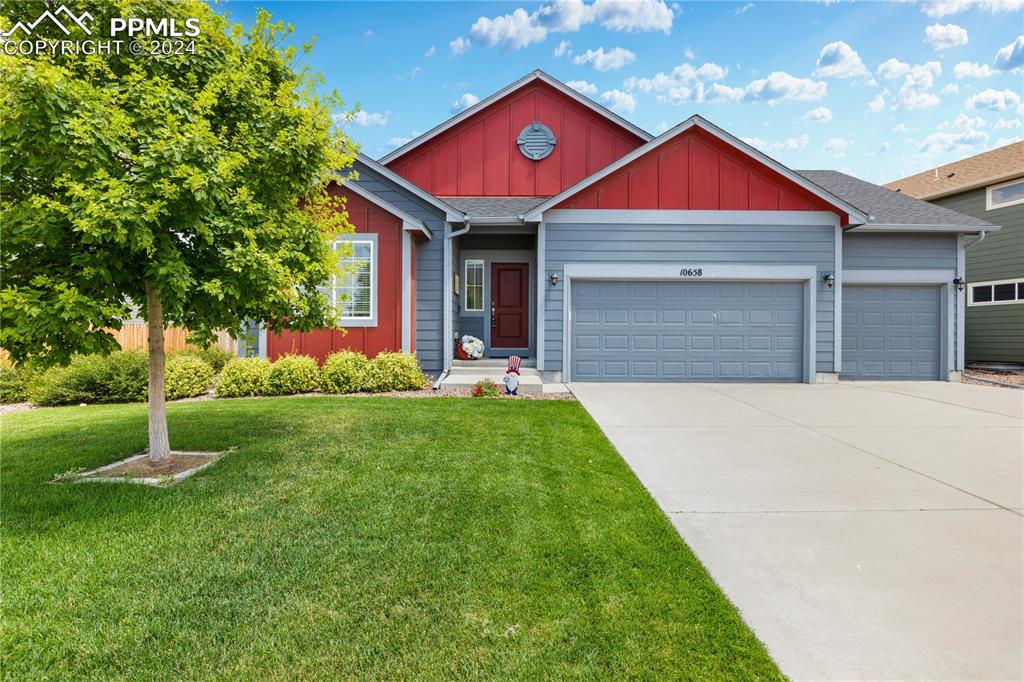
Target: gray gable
{"points": [[886, 207]]}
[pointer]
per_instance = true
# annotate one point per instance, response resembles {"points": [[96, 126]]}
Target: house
{"points": [[989, 186], [552, 228]]}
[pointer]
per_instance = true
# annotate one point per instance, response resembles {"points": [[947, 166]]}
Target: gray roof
{"points": [[886, 207], [494, 207]]}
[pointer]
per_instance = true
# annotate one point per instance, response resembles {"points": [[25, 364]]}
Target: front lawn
{"points": [[360, 537]]}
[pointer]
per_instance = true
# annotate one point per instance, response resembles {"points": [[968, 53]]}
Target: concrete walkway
{"points": [[864, 530]]}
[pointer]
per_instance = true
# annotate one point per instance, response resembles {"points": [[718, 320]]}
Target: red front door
{"points": [[510, 305]]}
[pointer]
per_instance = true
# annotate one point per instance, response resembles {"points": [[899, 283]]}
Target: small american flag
{"points": [[513, 363]]}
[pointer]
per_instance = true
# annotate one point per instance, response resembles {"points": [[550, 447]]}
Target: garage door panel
{"points": [[688, 331], [891, 332]]}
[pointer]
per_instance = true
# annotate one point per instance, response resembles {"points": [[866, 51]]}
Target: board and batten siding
{"points": [[429, 265], [994, 333], [687, 245]]}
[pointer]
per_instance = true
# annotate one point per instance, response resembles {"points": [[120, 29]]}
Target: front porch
{"points": [[465, 373]]}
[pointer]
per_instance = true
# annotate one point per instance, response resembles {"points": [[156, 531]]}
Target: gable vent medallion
{"points": [[536, 141]]}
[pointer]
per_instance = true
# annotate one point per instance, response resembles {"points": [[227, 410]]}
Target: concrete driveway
{"points": [[864, 530]]}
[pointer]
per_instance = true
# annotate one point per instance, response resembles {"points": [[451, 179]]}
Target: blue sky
{"points": [[877, 89]]}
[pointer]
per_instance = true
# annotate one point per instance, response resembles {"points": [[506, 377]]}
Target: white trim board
{"points": [[407, 255], [507, 90], [881, 227], [856, 215], [898, 276], [668, 272], [659, 217]]}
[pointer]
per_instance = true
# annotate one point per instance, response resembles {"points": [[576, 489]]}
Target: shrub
{"points": [[213, 356], [120, 377], [14, 383], [485, 388], [243, 376], [293, 374], [395, 372], [187, 376], [346, 372]]}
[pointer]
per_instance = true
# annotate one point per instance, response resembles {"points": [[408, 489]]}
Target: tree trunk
{"points": [[159, 443]]}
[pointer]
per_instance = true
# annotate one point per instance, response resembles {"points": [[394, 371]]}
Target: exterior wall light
{"points": [[960, 283], [829, 279], [554, 279]]}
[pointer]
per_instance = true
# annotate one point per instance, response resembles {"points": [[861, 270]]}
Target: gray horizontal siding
{"points": [[874, 251], [1001, 254], [429, 265], [690, 245]]}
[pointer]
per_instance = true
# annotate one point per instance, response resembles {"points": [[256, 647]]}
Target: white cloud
{"points": [[689, 53], [839, 60], [945, 36], [430, 51], [994, 100], [915, 93], [619, 101], [614, 59], [744, 8], [395, 142], [836, 146], [950, 89], [521, 28], [777, 87], [973, 70], [1003, 141], [368, 34], [877, 104], [900, 128], [891, 69], [961, 141], [680, 75], [415, 71], [583, 86], [886, 146], [788, 145], [941, 8], [564, 48], [1008, 124], [459, 46], [962, 122], [780, 86], [822, 114], [465, 101], [1011, 56], [365, 119], [661, 127]]}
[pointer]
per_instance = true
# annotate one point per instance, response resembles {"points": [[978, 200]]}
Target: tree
{"points": [[193, 186]]}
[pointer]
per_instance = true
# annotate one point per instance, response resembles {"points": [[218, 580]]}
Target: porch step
{"points": [[490, 363], [494, 371], [528, 383]]}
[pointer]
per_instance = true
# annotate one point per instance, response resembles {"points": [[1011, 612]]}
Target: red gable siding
{"points": [[697, 171], [387, 335], [479, 156]]}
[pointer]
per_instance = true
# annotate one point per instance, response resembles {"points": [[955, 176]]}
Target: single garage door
{"points": [[891, 332], [687, 331]]}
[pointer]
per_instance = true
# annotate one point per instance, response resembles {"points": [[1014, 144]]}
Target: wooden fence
{"points": [[135, 335]]}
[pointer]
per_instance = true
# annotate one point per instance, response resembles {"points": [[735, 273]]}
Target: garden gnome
{"points": [[512, 375]]}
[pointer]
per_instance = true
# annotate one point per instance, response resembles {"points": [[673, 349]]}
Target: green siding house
{"points": [[989, 186]]}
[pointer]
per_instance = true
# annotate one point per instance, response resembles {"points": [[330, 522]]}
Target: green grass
{"points": [[352, 538]]}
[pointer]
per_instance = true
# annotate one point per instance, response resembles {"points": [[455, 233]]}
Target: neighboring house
{"points": [[549, 227], [989, 186]]}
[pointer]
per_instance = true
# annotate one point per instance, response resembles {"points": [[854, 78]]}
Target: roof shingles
{"points": [[1003, 163]]}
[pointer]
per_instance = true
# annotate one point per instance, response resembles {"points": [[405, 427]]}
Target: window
{"points": [[474, 279], [352, 292], [1002, 292], [1006, 194]]}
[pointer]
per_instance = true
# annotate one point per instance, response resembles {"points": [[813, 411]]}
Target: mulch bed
{"points": [[175, 463]]}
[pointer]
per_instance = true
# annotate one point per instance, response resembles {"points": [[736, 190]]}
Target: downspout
{"points": [[980, 239], [448, 294]]}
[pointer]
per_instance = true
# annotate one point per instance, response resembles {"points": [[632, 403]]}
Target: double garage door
{"points": [[744, 331], [687, 331]]}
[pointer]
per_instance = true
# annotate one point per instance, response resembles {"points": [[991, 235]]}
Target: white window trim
{"points": [[370, 321], [970, 292], [465, 285], [989, 206]]}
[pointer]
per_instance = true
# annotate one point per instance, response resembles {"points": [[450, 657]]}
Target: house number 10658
{"points": [[691, 272]]}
